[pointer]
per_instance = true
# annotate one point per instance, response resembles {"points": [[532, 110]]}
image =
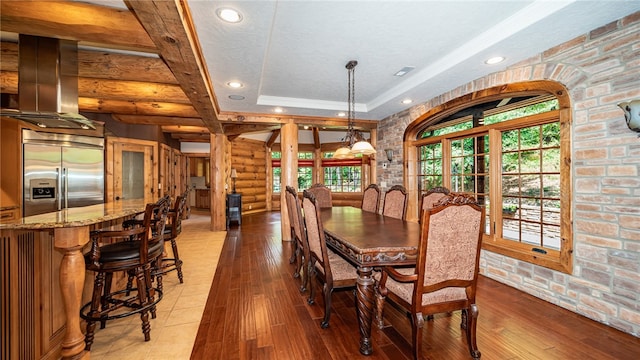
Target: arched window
{"points": [[509, 147]]}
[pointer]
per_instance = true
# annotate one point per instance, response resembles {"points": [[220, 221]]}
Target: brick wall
{"points": [[600, 69]]}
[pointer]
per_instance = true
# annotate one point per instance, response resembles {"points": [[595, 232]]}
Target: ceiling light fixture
{"points": [[404, 71], [407, 101], [354, 142], [236, 97], [278, 110], [342, 114], [234, 84], [229, 15], [494, 60]]}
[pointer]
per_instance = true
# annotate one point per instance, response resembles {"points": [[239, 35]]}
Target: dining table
{"points": [[369, 240]]}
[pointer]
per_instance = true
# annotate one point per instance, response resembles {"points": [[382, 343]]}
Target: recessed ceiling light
{"points": [[342, 114], [407, 101], [236, 97], [494, 60], [278, 110], [229, 15], [404, 71], [234, 84]]}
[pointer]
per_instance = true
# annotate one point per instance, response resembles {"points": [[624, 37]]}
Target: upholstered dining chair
{"points": [[395, 202], [371, 198], [446, 272], [324, 265], [430, 198], [299, 243], [323, 194]]}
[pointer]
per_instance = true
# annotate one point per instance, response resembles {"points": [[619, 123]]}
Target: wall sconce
{"points": [[632, 113], [234, 175], [389, 153]]}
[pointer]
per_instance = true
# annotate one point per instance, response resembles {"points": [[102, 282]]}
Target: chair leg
{"points": [[417, 323], [327, 305], [312, 274], [105, 299], [94, 312], [304, 280], [381, 295], [471, 323], [177, 261], [141, 282], [294, 246]]}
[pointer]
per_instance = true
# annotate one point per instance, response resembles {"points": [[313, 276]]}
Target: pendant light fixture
{"points": [[354, 142]]}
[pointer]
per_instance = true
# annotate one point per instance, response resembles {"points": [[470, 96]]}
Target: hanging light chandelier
{"points": [[353, 142]]}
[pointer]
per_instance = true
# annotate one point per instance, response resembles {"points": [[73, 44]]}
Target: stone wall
{"points": [[600, 69]]}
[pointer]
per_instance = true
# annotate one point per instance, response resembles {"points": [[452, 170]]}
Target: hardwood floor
{"points": [[255, 311]]}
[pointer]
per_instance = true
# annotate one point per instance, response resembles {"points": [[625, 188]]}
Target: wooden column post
{"points": [[70, 242], [289, 172], [218, 176]]}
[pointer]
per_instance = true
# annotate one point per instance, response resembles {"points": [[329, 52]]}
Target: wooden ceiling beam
{"points": [[111, 89], [104, 65], [272, 138], [322, 123], [191, 137], [91, 24], [136, 108], [185, 129], [164, 121], [170, 27], [248, 128]]}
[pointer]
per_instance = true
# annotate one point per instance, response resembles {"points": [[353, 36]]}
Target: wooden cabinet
{"points": [[203, 198]]}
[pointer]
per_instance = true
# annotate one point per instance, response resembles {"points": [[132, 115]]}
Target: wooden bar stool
{"points": [[172, 229], [134, 251]]}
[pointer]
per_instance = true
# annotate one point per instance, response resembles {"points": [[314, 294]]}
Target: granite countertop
{"points": [[80, 216]]}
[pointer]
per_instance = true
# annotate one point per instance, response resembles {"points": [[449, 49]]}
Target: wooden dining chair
{"points": [[371, 198], [327, 267], [323, 194], [299, 243], [430, 198], [395, 202], [446, 273]]}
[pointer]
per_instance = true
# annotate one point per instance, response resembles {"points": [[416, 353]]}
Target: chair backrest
{"points": [[395, 202], [322, 194], [154, 222], [295, 215], [315, 235], [177, 213], [431, 197], [449, 250], [371, 198]]}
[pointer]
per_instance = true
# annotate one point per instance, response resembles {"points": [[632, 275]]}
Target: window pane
{"points": [[429, 166], [276, 179], [531, 182], [343, 178]]}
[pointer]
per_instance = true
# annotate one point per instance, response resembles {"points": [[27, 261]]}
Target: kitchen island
{"points": [[43, 278]]}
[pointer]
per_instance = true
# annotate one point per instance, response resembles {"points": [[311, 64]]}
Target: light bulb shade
{"points": [[234, 174], [363, 147], [342, 153]]}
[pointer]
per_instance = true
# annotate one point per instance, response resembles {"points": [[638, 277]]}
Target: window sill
{"points": [[553, 259]]}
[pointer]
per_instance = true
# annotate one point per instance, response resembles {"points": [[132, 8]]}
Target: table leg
{"points": [[72, 272], [365, 301]]}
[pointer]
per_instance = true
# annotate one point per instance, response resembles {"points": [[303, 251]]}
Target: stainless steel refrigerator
{"points": [[61, 171]]}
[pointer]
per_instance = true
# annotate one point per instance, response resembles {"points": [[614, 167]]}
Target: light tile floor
{"points": [[173, 331]]}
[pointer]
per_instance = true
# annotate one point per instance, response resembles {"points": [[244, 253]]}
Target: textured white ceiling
{"points": [[292, 54]]}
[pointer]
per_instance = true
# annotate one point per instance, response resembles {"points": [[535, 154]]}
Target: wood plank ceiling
{"points": [[172, 90]]}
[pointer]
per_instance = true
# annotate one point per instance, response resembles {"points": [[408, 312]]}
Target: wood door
{"points": [[165, 172], [132, 169]]}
